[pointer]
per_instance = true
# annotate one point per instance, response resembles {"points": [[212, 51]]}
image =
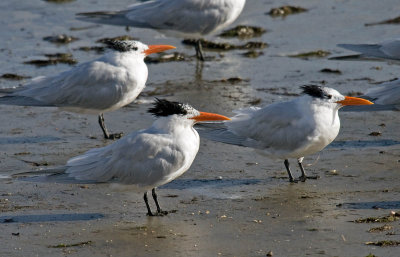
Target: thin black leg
{"points": [[199, 50], [105, 131], [149, 213], [159, 211], [304, 176], [103, 126], [286, 162]]}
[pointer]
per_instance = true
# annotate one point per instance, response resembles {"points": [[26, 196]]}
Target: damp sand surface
{"points": [[232, 201]]}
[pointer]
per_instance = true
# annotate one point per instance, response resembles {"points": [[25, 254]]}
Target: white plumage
{"points": [[145, 159], [105, 84], [292, 129], [184, 18]]}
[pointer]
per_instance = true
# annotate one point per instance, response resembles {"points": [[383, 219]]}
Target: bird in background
{"points": [[389, 50], [142, 160], [183, 18], [292, 129], [95, 87]]}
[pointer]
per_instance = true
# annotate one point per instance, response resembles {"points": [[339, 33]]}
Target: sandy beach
{"points": [[232, 201]]}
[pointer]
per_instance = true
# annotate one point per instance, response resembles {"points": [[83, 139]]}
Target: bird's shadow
{"points": [[28, 218], [372, 205], [363, 143], [215, 183], [27, 140]]}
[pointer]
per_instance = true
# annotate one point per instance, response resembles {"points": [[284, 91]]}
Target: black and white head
{"points": [[184, 112], [131, 46], [331, 97]]}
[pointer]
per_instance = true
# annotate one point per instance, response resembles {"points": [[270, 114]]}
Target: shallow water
{"points": [[232, 202]]}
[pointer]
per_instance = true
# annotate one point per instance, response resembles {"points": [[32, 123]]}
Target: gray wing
{"points": [[141, 158], [387, 50], [187, 16], [91, 85], [275, 126]]}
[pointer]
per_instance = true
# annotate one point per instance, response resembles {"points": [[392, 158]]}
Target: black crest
{"points": [[121, 46], [315, 91], [164, 107]]}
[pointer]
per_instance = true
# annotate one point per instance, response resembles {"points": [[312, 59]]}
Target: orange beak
{"points": [[157, 48], [206, 116], [348, 100]]}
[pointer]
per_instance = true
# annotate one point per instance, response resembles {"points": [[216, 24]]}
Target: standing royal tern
{"points": [[389, 49], [102, 85], [292, 129], [193, 18], [144, 159]]}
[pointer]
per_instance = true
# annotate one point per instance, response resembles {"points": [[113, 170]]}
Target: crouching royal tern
{"points": [[292, 129], [102, 85], [144, 159], [193, 18], [389, 49]]}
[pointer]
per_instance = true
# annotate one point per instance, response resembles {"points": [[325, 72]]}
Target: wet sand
{"points": [[232, 201]]}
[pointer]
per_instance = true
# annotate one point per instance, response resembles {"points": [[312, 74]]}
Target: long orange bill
{"points": [[157, 48], [206, 116], [348, 100]]}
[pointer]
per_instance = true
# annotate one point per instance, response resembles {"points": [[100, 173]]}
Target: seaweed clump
{"points": [[243, 32], [286, 10]]}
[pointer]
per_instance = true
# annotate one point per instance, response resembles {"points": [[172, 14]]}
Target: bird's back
{"points": [[189, 17], [143, 160]]}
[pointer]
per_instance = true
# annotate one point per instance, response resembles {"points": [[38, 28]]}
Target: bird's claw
{"points": [[158, 213], [304, 178], [114, 136], [162, 213]]}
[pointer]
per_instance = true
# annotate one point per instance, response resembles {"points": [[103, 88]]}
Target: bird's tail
{"points": [[21, 101], [55, 175], [54, 171], [219, 133]]}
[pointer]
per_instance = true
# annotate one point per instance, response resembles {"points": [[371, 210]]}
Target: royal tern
{"points": [[292, 129], [389, 49], [145, 159], [194, 18], [102, 85]]}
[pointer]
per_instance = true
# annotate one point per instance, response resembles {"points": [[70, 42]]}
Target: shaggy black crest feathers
{"points": [[164, 107], [315, 91], [121, 46]]}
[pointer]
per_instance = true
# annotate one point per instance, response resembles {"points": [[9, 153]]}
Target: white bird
{"points": [[145, 159], [193, 18], [389, 49], [284, 130], [102, 85]]}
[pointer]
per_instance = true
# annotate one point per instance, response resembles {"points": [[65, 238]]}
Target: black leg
{"points": [[149, 213], [286, 162], [159, 211], [105, 131], [303, 176], [199, 50]]}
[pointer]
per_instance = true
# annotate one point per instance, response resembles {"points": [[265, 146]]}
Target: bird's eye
{"points": [[329, 96]]}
